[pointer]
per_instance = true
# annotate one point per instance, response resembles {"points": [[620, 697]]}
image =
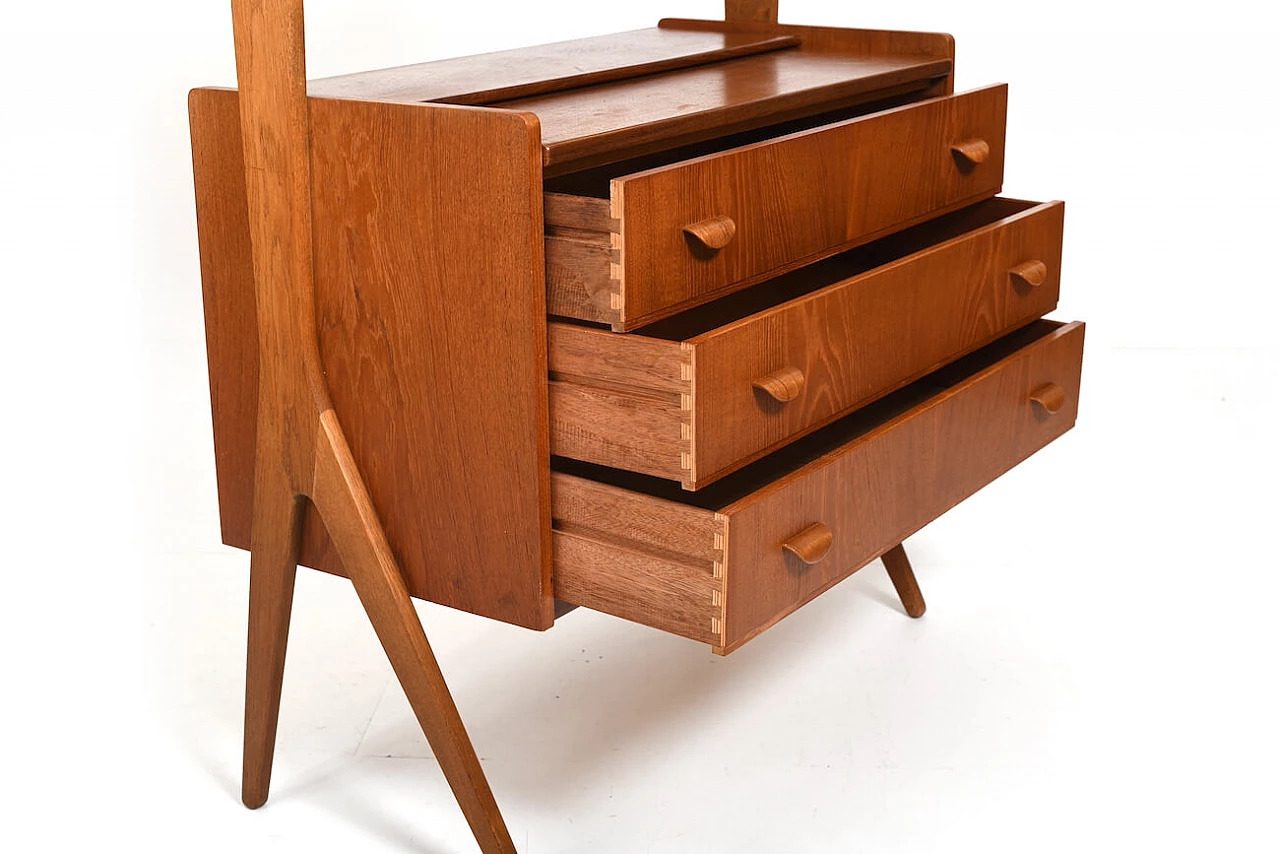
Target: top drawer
{"points": [[673, 237]]}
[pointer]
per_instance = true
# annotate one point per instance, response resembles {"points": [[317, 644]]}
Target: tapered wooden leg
{"points": [[904, 580], [277, 528], [353, 525]]}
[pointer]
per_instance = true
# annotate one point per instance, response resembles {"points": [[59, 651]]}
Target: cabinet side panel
{"points": [[432, 316], [431, 309], [230, 317]]}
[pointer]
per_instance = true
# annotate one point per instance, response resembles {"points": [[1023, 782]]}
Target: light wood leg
{"points": [[904, 580], [277, 529], [353, 525]]}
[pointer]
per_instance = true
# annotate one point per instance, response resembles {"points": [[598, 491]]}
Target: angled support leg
{"points": [[277, 533], [300, 449], [904, 580], [353, 525]]}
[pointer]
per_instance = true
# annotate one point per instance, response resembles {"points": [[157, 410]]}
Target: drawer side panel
{"points": [[641, 558]]}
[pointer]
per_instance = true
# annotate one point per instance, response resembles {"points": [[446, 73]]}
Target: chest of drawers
{"points": [[685, 325]]}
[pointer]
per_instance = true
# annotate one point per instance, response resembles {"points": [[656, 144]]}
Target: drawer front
{"points": [[762, 382], [691, 231], [885, 486], [722, 572]]}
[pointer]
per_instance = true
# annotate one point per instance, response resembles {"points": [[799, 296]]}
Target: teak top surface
{"points": [[695, 102], [503, 75], [604, 97]]}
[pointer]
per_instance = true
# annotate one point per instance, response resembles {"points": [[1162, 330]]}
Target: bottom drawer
{"points": [[723, 564]]}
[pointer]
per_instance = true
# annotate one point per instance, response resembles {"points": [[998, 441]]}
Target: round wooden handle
{"points": [[1032, 274], [812, 544], [972, 151], [715, 233], [783, 386], [1050, 397]]}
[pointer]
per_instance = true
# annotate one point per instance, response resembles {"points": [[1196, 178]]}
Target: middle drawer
{"points": [[697, 396]]}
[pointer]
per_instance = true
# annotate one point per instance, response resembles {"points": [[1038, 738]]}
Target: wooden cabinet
{"points": [[685, 325]]}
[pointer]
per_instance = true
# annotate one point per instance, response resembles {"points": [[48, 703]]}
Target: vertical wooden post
{"points": [[301, 451], [759, 11]]}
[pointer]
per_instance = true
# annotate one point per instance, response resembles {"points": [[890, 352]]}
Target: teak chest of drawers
{"points": [[685, 325]]}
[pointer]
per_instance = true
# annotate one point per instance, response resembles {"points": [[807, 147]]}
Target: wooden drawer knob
{"points": [[783, 386], [715, 233], [812, 544], [1050, 397], [1032, 274], [971, 152]]}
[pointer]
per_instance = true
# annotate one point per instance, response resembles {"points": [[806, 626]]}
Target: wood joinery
{"points": [[700, 396], [747, 551]]}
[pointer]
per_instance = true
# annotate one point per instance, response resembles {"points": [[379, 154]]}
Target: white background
{"points": [[1098, 667]]}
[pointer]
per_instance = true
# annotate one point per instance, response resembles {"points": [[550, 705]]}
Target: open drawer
{"points": [[723, 564], [699, 395], [653, 243]]}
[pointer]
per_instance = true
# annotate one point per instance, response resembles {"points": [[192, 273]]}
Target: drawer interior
{"points": [[784, 461]]}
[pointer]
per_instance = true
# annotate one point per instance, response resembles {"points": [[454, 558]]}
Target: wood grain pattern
{"points": [[579, 277], [830, 39], [798, 199], [502, 75], [612, 121], [765, 11], [433, 334], [637, 586], [655, 562], [893, 311], [396, 240], [953, 444], [650, 524], [607, 97], [577, 213], [598, 356], [954, 431], [620, 427], [861, 339], [230, 314]]}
